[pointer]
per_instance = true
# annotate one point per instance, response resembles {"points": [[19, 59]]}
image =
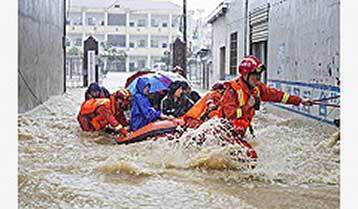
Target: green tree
{"points": [[112, 55], [74, 51]]}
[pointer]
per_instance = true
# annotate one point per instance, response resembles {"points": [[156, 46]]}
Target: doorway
{"points": [[259, 49], [222, 62]]}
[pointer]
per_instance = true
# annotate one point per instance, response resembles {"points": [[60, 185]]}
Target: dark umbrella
{"points": [[157, 83], [136, 75]]}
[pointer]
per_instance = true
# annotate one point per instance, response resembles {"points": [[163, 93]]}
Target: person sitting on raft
{"points": [[142, 111], [174, 103], [189, 97], [98, 114], [95, 91], [206, 107], [157, 97], [193, 95]]}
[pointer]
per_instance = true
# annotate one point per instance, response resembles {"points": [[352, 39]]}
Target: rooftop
{"points": [[125, 4], [219, 11]]}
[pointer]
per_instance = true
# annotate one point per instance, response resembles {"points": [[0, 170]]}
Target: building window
{"points": [[91, 21], [117, 40], [154, 23], [142, 44], [131, 24], [68, 42], [131, 45], [78, 42], [141, 23], [154, 44], [75, 18], [117, 19], [164, 24], [233, 53], [132, 66], [164, 45], [142, 63], [175, 21]]}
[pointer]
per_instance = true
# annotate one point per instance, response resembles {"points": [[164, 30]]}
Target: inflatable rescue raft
{"points": [[161, 128], [157, 128]]}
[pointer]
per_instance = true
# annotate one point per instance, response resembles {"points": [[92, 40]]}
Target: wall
{"points": [[40, 61], [235, 19], [218, 40], [303, 48], [232, 21], [303, 51]]}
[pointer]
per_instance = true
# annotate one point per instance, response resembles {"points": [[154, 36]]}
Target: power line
{"points": [[31, 91], [28, 86]]}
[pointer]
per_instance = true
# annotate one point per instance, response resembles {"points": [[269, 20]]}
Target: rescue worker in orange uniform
{"points": [[204, 108], [98, 114], [244, 94]]}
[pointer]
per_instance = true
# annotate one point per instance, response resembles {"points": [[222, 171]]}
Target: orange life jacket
{"points": [[199, 109], [89, 119], [235, 102], [244, 113], [243, 96]]}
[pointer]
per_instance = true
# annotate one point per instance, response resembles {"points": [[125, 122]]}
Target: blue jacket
{"points": [[142, 111]]}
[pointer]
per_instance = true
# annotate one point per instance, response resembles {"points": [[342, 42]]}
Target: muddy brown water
{"points": [[59, 166]]}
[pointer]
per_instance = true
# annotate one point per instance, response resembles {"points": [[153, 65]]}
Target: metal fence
{"points": [[74, 71]]}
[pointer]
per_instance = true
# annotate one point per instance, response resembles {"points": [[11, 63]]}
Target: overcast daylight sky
{"points": [[207, 5]]}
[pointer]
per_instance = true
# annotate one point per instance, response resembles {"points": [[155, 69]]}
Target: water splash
{"points": [[60, 166]]}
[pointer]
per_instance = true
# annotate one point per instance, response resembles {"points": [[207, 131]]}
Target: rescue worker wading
{"points": [[244, 94], [98, 114]]}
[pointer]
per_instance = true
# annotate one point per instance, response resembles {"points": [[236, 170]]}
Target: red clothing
{"points": [[96, 114], [193, 117], [237, 106], [212, 98]]}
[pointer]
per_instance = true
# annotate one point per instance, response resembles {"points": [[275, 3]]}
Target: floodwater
{"points": [[62, 167]]}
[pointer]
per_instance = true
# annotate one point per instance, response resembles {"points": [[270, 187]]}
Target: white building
{"points": [[297, 40], [199, 41], [143, 29], [199, 31]]}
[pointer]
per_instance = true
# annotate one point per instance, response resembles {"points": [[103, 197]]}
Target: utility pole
{"points": [[184, 21], [184, 38], [246, 20], [64, 44]]}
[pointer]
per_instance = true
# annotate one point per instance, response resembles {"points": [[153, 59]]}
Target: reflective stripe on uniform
{"points": [[119, 126], [240, 95], [285, 98], [257, 91], [239, 113], [102, 101]]}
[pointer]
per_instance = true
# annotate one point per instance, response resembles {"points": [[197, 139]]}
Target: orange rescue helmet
{"points": [[250, 64], [122, 93]]}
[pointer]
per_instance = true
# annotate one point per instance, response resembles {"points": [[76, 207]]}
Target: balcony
{"points": [[146, 51], [101, 29]]}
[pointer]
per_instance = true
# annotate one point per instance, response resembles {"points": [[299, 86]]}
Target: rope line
{"points": [[32, 92]]}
